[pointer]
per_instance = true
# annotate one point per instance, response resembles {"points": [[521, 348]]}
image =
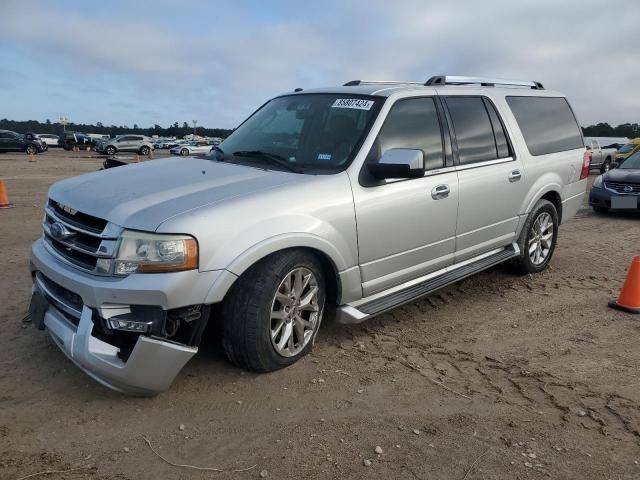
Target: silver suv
{"points": [[126, 143], [365, 196]]}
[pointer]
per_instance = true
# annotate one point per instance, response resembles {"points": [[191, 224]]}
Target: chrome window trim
{"points": [[485, 163]]}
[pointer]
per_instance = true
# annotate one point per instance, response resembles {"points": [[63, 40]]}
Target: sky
{"points": [[142, 62]]}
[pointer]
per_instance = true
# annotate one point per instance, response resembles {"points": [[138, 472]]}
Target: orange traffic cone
{"points": [[32, 158], [137, 158], [4, 197], [629, 299]]}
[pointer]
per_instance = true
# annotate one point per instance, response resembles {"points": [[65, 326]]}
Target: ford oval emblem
{"points": [[60, 232]]}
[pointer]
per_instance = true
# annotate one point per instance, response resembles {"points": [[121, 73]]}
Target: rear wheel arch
{"points": [[554, 197]]}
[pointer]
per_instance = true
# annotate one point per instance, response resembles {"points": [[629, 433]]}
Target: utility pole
{"points": [[195, 122]]}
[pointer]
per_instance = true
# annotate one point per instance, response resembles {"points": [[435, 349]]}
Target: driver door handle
{"points": [[515, 175], [440, 191]]}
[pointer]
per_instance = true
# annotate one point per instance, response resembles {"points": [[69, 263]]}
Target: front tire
{"points": [[273, 311], [606, 166], [538, 238]]}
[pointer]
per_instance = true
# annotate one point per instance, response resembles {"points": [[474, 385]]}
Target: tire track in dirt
{"points": [[465, 374]]}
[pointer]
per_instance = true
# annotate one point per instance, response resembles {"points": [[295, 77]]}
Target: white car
{"points": [[48, 138], [190, 149]]}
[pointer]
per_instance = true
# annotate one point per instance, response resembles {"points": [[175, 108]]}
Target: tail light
{"points": [[586, 162]]}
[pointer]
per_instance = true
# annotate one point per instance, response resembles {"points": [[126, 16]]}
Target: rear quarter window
{"points": [[547, 124]]}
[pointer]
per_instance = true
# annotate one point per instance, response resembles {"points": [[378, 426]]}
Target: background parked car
{"points": [[68, 140], [601, 157], [126, 143], [618, 188], [50, 139], [627, 150], [17, 142], [191, 149]]}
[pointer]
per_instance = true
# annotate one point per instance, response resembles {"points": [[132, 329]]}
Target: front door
{"points": [[406, 228]]}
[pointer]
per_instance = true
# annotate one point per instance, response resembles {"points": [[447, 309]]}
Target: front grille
{"points": [[83, 240], [78, 219], [623, 187], [64, 300]]}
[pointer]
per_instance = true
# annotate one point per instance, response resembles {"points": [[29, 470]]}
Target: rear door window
{"points": [[473, 129], [547, 124]]}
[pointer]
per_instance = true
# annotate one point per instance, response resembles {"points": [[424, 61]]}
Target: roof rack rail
{"points": [[355, 83], [485, 82]]}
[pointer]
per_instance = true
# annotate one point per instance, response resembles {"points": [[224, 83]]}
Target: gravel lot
{"points": [[497, 377]]}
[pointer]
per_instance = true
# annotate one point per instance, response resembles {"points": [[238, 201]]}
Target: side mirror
{"points": [[399, 163]]}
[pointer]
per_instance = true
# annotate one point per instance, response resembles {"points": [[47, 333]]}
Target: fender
{"points": [[271, 245]]}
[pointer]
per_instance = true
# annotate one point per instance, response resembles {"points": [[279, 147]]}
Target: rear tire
{"points": [[144, 150], [31, 150], [538, 239], [279, 298], [110, 150], [606, 166], [184, 152]]}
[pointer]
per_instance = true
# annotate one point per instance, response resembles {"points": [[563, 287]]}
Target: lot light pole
{"points": [[195, 122], [64, 120]]}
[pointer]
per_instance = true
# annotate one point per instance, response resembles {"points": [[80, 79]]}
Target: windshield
{"points": [[627, 148], [632, 162], [316, 133]]}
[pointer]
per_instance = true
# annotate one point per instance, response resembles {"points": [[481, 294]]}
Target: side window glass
{"points": [[499, 132], [412, 123], [473, 130]]}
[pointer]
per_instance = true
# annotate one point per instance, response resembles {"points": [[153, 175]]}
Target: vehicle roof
{"points": [[390, 89]]}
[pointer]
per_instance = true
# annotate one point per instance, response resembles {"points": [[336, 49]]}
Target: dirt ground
{"points": [[498, 377]]}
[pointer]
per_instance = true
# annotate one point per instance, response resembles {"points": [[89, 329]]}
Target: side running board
{"points": [[363, 309]]}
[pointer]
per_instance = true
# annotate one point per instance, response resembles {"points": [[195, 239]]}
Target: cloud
{"points": [[217, 61]]}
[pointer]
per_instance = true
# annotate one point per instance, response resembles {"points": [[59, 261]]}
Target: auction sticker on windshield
{"points": [[357, 103]]}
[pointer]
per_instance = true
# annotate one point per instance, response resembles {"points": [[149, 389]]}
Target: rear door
{"points": [[124, 143], [491, 186], [405, 228]]}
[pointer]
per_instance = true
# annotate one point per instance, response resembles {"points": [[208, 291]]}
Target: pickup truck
{"points": [[601, 158]]}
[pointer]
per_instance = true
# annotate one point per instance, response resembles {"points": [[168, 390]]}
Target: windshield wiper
{"points": [[272, 157]]}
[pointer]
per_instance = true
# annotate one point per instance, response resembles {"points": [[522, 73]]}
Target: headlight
{"points": [[140, 252], [598, 182]]}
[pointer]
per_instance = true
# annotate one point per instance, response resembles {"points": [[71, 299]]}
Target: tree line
{"points": [[629, 130], [175, 130]]}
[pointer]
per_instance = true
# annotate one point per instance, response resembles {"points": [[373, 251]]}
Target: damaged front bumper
{"points": [[149, 370], [78, 305]]}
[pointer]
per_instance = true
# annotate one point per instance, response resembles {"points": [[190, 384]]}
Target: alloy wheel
{"points": [[295, 312], [541, 238]]}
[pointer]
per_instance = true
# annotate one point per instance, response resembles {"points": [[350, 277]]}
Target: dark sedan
{"points": [[619, 188]]}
